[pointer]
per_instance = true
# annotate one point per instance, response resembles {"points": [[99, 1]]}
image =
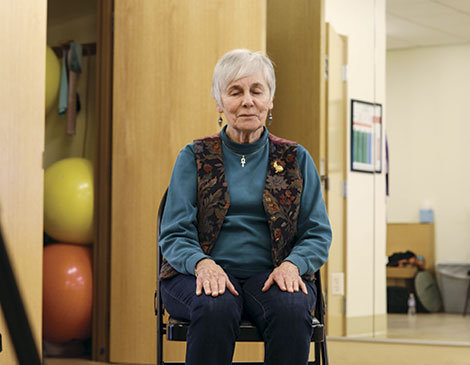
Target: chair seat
{"points": [[177, 330]]}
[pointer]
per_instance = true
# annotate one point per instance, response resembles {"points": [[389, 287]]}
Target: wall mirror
{"points": [[413, 62], [428, 209]]}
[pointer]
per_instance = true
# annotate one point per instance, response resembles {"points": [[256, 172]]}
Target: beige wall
{"points": [[427, 97], [22, 99], [363, 22]]}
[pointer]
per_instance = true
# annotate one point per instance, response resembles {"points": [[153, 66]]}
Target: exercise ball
{"points": [[68, 200], [67, 292], [52, 78]]}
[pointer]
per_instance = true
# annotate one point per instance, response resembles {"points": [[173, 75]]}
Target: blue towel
{"points": [[76, 66], [64, 85]]}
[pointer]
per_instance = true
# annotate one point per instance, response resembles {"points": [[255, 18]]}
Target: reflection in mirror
{"points": [[428, 209]]}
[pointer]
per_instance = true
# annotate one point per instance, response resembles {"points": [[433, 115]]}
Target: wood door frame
{"points": [[102, 181], [326, 272]]}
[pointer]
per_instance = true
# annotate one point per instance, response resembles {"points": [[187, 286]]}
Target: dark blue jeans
{"points": [[284, 319]]}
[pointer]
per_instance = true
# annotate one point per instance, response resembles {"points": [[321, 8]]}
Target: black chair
{"points": [[175, 329]]}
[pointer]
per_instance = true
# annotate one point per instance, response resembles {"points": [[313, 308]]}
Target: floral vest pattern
{"points": [[281, 196]]}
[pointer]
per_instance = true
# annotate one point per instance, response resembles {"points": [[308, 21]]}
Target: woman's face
{"points": [[246, 103]]}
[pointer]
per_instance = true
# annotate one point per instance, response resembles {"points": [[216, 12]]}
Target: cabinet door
{"points": [[296, 44], [164, 55], [22, 118]]}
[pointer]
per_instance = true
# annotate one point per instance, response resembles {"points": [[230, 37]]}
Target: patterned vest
{"points": [[281, 196]]}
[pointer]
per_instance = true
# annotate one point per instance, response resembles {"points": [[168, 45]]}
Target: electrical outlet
{"points": [[337, 283]]}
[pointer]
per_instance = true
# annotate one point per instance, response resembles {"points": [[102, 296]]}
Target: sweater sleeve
{"points": [[313, 228], [179, 239]]}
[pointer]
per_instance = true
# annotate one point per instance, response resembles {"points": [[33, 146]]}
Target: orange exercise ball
{"points": [[67, 292]]}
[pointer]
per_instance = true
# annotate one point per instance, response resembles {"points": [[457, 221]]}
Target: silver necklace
{"points": [[243, 156]]}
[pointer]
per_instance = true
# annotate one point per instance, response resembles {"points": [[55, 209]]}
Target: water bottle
{"points": [[411, 305]]}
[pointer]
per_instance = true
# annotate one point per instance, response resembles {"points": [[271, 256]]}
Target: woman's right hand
{"points": [[212, 278]]}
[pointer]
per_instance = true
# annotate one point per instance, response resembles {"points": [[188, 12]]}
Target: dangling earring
{"points": [[220, 120], [270, 118]]}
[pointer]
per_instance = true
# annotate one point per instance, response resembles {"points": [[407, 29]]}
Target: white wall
{"points": [[363, 22], [428, 94]]}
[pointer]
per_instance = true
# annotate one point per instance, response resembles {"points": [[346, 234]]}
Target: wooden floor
{"points": [[429, 326], [433, 327]]}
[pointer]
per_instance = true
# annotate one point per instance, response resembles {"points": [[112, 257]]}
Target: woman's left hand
{"points": [[287, 278]]}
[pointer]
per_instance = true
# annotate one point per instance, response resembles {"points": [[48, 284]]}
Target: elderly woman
{"points": [[245, 226]]}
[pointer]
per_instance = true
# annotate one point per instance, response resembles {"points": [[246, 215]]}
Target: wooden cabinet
{"points": [[164, 55], [22, 110]]}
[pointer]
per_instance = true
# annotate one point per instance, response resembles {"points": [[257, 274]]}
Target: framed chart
{"points": [[366, 136]]}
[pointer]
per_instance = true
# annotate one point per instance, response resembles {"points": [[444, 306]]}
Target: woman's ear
{"points": [[219, 108]]}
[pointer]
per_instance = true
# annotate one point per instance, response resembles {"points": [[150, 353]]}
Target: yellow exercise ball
{"points": [[68, 200], [52, 78]]}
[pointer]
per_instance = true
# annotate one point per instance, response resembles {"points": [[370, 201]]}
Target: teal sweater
{"points": [[243, 247]]}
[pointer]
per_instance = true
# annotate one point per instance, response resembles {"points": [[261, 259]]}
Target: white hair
{"points": [[240, 63]]}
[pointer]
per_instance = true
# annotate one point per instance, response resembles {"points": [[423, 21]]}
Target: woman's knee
{"points": [[291, 308], [226, 307]]}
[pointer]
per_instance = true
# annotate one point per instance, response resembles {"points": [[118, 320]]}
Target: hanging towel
{"points": [[74, 58], [64, 88]]}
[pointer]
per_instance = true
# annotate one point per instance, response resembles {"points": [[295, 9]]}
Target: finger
{"points": [[214, 287], [268, 283], [281, 284], [222, 284], [289, 284], [296, 285], [206, 284], [198, 286], [303, 286], [231, 288]]}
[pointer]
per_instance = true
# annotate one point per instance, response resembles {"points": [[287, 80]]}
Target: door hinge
{"points": [[345, 189]]}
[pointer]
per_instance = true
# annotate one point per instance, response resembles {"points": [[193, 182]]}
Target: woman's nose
{"points": [[247, 100]]}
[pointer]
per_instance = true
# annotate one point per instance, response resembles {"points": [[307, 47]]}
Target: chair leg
{"points": [[324, 353], [159, 347], [160, 331]]}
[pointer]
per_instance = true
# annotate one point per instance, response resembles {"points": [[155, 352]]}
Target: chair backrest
{"points": [[158, 299], [161, 208]]}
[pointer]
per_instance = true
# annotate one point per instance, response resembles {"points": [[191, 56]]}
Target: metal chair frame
{"points": [[176, 329]]}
